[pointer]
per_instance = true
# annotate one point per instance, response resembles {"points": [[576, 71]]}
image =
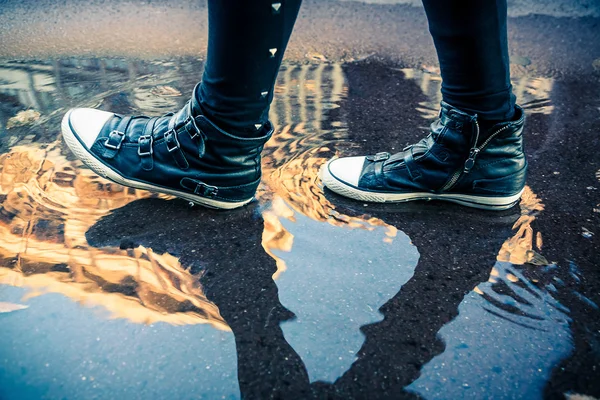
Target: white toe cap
{"points": [[347, 169], [87, 123]]}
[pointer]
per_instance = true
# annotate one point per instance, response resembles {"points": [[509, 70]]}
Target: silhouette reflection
{"points": [[223, 250], [396, 348]]}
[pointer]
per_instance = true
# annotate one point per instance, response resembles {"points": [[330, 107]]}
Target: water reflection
{"points": [[511, 328], [240, 284], [48, 205], [533, 92], [325, 297], [515, 310], [350, 276], [49, 200], [147, 285]]}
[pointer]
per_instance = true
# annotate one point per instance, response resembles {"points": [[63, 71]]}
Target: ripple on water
{"points": [[50, 200], [512, 329]]}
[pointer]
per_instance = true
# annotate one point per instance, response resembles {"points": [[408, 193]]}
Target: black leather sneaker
{"points": [[455, 162], [182, 154]]}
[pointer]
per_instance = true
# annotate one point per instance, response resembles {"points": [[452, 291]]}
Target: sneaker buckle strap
{"points": [[191, 121], [145, 151], [174, 148], [108, 146], [379, 157], [379, 175], [114, 140], [205, 190], [194, 131], [411, 166], [190, 126], [200, 188], [196, 135], [233, 193]]}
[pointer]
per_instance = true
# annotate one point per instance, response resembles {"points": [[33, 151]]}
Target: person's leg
{"points": [[471, 42], [209, 151], [474, 153], [247, 40]]}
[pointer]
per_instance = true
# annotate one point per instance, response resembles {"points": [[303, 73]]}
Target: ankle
{"points": [[236, 117], [486, 124]]}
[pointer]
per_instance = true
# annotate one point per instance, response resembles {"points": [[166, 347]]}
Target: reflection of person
{"points": [[209, 151], [242, 287], [225, 250], [396, 348]]}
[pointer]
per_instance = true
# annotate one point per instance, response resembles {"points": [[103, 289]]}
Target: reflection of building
{"points": [[47, 206], [520, 249], [52, 87], [533, 94], [306, 138]]}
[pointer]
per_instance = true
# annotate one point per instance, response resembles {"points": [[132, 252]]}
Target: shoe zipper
{"points": [[473, 153]]}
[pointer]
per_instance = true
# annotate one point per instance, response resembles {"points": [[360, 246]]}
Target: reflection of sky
{"points": [[513, 355], [336, 281], [58, 349]]}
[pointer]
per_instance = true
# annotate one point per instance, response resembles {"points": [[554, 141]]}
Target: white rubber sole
{"points": [[482, 202], [105, 171]]}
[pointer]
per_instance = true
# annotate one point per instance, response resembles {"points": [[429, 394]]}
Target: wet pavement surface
{"points": [[109, 292]]}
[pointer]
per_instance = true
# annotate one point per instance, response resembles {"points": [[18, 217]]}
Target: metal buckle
{"points": [[379, 157], [197, 130], [191, 117], [109, 145], [206, 190], [173, 133], [151, 140]]}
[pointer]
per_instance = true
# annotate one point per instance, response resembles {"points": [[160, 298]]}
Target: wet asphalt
{"points": [[107, 292]]}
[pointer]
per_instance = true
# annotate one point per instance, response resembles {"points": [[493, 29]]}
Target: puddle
{"points": [[317, 294], [511, 329]]}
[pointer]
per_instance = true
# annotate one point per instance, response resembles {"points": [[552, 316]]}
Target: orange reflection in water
{"points": [[48, 205], [293, 158], [520, 248]]}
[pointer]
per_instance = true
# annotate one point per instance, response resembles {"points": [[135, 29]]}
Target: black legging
{"points": [[247, 40], [472, 47]]}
